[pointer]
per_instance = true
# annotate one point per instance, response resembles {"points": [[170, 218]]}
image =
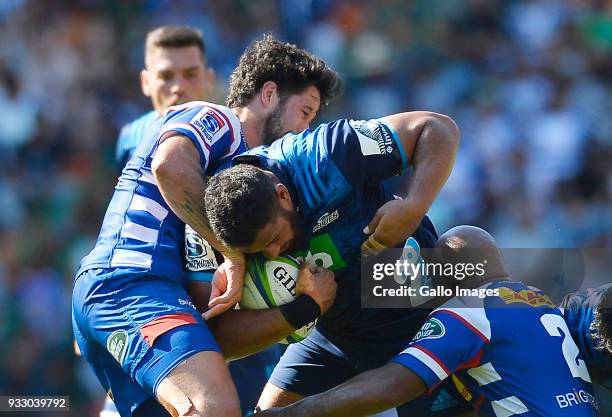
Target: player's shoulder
{"points": [[207, 123], [468, 310], [142, 122], [476, 307], [201, 111], [589, 298]]}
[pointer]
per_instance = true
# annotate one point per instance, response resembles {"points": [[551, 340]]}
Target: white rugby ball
{"points": [[272, 283]]}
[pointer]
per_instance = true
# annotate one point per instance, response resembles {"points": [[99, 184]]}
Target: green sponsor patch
{"points": [[432, 329], [116, 344], [322, 252]]}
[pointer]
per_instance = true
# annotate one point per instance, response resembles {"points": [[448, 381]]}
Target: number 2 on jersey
{"points": [[553, 324]]}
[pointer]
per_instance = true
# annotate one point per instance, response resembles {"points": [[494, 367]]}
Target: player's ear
{"points": [[144, 82], [269, 95], [284, 198]]}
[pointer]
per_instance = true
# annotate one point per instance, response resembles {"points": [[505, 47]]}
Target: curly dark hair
{"points": [[291, 68], [602, 325], [239, 202]]}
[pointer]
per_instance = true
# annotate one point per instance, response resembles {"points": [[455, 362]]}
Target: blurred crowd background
{"points": [[528, 82]]}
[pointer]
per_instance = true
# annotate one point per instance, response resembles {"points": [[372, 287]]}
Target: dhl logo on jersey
{"points": [[533, 298]]}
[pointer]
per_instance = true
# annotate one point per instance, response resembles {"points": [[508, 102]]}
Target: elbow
{"points": [[446, 129], [163, 170]]}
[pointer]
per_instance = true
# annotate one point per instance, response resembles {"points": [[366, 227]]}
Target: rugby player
{"points": [[312, 194], [509, 357], [176, 72], [589, 318], [133, 319]]}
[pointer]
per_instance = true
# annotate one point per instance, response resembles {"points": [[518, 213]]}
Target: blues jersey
{"points": [[579, 312], [139, 230], [509, 355], [132, 133], [334, 175]]}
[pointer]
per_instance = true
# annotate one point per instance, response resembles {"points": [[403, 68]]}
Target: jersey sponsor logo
{"points": [[576, 397], [533, 298], [198, 252], [325, 220], [209, 123], [443, 401], [184, 302], [116, 345], [432, 329], [322, 252], [373, 139]]}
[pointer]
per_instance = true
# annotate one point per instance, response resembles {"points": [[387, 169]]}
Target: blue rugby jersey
{"points": [[509, 355], [334, 175], [133, 133], [139, 230], [579, 312]]}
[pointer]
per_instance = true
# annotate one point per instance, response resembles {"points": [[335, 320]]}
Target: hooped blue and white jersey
{"points": [[508, 355], [139, 229], [334, 175]]}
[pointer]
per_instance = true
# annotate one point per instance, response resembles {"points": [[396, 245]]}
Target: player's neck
{"points": [[251, 125]]}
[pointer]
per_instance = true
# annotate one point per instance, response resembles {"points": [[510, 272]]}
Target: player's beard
{"points": [[297, 225], [272, 126]]}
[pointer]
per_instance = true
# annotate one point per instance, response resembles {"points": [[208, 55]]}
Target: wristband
{"points": [[301, 311]]}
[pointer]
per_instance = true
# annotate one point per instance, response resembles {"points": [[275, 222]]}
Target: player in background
{"points": [[176, 71], [311, 195], [589, 317], [508, 357], [133, 319]]}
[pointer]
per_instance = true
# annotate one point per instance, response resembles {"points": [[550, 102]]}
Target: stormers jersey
{"points": [[579, 312], [132, 133], [139, 230], [334, 175], [509, 355]]}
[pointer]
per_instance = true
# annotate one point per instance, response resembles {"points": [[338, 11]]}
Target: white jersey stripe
{"points": [[136, 231], [150, 206], [509, 406], [147, 176], [474, 318], [427, 361], [124, 257], [484, 374], [188, 127]]}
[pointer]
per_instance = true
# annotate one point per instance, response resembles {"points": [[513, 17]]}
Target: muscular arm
{"points": [[180, 178], [245, 332], [366, 394], [430, 141]]}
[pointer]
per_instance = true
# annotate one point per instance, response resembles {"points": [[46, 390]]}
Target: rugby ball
{"points": [[272, 283]]}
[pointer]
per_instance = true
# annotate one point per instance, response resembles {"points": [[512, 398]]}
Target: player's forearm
{"points": [[181, 181], [366, 394], [245, 332], [433, 160]]}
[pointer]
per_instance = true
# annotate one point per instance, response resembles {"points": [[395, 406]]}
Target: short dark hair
{"points": [[291, 68], [240, 201], [602, 325], [174, 37]]}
